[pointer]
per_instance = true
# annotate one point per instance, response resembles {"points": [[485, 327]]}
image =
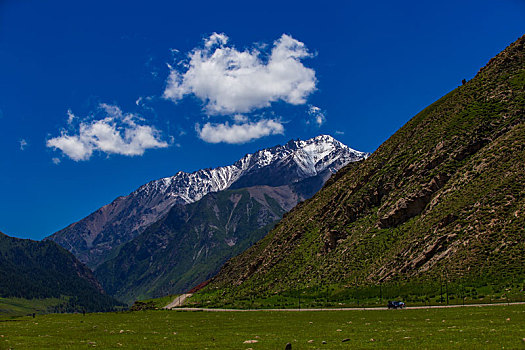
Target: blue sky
{"points": [[100, 97]]}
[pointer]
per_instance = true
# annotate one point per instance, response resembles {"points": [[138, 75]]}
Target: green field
{"points": [[459, 328], [23, 307]]}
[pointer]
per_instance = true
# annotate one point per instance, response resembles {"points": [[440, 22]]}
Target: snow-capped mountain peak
{"points": [[311, 157], [128, 216]]}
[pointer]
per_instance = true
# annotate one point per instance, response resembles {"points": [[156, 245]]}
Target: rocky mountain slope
{"points": [[38, 270], [444, 197], [93, 238], [190, 244]]}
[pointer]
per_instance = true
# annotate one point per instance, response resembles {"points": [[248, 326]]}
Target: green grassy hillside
{"points": [[442, 201]]}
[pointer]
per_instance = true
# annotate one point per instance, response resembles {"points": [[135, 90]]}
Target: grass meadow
{"points": [[486, 327]]}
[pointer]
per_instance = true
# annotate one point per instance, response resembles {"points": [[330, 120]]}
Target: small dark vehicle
{"points": [[396, 305]]}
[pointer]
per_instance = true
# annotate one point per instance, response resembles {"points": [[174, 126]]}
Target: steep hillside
{"points": [[40, 270], [444, 197], [191, 243], [94, 238]]}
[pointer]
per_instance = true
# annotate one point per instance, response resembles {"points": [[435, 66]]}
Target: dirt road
{"points": [[175, 302], [178, 301]]}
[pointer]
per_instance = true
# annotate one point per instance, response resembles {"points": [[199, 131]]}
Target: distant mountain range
{"points": [[175, 232], [441, 199], [44, 270]]}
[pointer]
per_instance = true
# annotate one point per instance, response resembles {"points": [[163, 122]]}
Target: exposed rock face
{"points": [[93, 238], [413, 205]]}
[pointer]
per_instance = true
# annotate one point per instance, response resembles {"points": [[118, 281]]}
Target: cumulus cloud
{"points": [[116, 133], [239, 133], [317, 116], [229, 81], [23, 144], [215, 39]]}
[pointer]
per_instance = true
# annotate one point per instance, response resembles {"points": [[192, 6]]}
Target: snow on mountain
{"points": [[311, 157], [93, 237]]}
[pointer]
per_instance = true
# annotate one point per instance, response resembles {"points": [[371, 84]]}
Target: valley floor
{"points": [[458, 328]]}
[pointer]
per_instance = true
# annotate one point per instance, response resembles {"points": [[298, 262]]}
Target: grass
{"points": [[22, 307], [459, 328], [338, 295]]}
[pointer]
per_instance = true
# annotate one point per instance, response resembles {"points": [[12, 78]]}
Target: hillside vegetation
{"points": [[441, 201], [44, 277], [190, 244]]}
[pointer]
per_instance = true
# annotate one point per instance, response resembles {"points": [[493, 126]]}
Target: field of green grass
{"points": [[487, 327], [23, 307]]}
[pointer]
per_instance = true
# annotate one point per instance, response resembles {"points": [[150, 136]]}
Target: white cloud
{"points": [[23, 144], [76, 147], [239, 118], [339, 132], [116, 133], [229, 81], [239, 133], [215, 39], [70, 117], [56, 161], [317, 116]]}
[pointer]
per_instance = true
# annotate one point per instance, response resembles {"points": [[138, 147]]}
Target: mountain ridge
{"points": [[189, 244], [93, 238]]}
